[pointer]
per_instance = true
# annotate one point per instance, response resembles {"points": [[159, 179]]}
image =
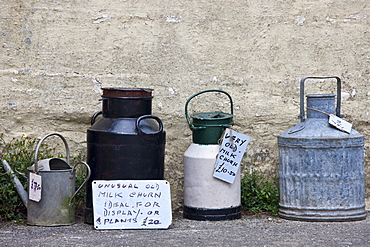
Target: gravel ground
{"points": [[247, 231]]}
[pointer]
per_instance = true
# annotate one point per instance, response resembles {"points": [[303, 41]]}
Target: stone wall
{"points": [[56, 55]]}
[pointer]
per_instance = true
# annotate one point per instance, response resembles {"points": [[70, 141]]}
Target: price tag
{"points": [[230, 155], [35, 187], [340, 123]]}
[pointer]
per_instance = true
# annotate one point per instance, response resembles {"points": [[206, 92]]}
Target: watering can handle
{"points": [[36, 166], [339, 99], [206, 91], [73, 174]]}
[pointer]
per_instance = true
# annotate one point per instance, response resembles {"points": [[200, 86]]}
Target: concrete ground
{"points": [[247, 231]]}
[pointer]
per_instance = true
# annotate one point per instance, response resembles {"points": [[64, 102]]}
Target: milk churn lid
{"points": [[120, 92], [212, 118], [208, 127], [320, 95]]}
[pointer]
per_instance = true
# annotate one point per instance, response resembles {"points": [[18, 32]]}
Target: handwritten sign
{"points": [[340, 123], [131, 204], [34, 187], [230, 155]]}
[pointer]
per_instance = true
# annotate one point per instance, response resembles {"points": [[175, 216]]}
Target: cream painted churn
{"points": [[206, 197]]}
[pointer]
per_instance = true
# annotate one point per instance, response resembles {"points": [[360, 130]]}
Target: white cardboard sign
{"points": [[35, 187], [230, 155], [131, 204], [340, 123]]}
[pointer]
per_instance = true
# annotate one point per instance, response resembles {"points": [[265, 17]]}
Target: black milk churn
{"points": [[56, 206], [206, 197], [127, 142], [321, 168]]}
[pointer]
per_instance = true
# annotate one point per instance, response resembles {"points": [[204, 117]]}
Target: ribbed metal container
{"points": [[321, 168]]}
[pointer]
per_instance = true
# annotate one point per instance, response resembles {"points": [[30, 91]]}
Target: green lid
{"points": [[208, 127]]}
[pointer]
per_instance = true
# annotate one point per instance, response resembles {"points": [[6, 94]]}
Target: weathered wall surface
{"points": [[56, 55]]}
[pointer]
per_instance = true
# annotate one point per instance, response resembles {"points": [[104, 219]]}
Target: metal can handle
{"points": [[142, 133], [35, 166], [96, 114], [205, 91], [84, 182], [339, 100]]}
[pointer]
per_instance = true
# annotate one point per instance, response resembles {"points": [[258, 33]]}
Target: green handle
{"points": [[206, 91]]}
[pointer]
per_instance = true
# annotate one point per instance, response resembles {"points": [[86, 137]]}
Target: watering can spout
{"points": [[18, 185], [43, 165]]}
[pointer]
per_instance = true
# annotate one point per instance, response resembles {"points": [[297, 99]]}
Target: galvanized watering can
{"points": [[58, 189]]}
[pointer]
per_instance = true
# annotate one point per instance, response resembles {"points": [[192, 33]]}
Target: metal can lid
{"points": [[118, 92], [320, 95]]}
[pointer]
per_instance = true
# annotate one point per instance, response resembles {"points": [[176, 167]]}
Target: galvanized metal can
{"points": [[56, 206], [127, 142], [321, 168]]}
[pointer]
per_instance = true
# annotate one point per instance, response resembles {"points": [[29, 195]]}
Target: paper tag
{"points": [[230, 155], [35, 187], [340, 123]]}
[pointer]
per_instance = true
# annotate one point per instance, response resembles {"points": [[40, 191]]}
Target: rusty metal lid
{"points": [[120, 92]]}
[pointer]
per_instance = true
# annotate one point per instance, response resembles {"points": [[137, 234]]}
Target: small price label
{"points": [[340, 123], [35, 187], [230, 155]]}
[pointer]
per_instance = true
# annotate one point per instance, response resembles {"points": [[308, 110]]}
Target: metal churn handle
{"points": [[148, 136], [339, 85]]}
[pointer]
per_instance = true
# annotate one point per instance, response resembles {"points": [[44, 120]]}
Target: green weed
{"points": [[258, 194]]}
